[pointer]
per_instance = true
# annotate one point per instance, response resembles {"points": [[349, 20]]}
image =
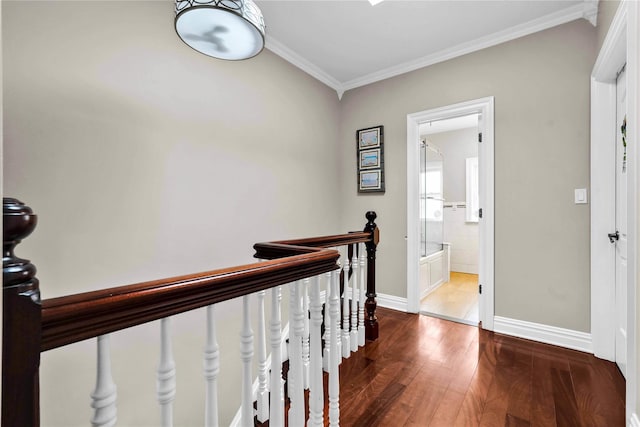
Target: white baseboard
{"points": [[391, 301], [553, 335], [634, 421], [561, 337]]}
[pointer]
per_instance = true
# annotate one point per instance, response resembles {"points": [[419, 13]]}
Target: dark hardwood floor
{"points": [[424, 371]]}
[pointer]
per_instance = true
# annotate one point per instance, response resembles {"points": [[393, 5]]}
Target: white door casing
{"points": [[622, 44], [621, 236], [482, 230], [484, 107], [602, 177]]}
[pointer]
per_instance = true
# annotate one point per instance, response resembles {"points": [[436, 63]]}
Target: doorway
{"points": [[482, 108], [621, 46], [449, 216]]}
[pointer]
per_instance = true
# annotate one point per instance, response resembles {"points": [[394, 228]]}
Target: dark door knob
{"points": [[613, 237]]}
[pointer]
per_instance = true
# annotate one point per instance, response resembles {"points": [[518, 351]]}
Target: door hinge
{"points": [[480, 288], [480, 137], [480, 213]]}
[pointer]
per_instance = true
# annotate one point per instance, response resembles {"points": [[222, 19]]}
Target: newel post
{"points": [[21, 321], [371, 321]]}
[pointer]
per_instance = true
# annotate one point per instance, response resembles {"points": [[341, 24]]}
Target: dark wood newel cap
{"points": [[371, 216], [372, 227], [18, 222]]}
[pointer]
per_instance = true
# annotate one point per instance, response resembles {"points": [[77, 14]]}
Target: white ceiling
{"points": [[347, 44]]}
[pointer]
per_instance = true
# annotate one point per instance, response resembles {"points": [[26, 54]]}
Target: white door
{"points": [[481, 228], [620, 235]]}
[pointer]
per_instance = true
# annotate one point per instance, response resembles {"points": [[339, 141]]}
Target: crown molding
{"points": [[305, 65], [540, 24], [587, 10], [590, 11]]}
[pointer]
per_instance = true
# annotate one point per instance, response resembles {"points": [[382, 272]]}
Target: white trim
{"points": [[304, 64], [587, 10], [590, 11], [517, 31], [620, 46], [392, 302], [485, 107], [633, 134], [561, 337], [613, 52], [634, 421]]}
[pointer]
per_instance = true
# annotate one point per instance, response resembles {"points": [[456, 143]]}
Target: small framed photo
{"points": [[370, 159], [370, 180], [369, 137], [370, 155]]}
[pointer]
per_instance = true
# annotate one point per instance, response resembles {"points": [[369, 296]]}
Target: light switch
{"points": [[580, 195]]}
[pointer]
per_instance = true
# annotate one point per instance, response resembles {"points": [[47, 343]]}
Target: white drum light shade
{"points": [[225, 29]]}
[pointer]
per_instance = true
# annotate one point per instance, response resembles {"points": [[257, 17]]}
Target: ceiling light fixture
{"points": [[225, 29], [375, 2]]}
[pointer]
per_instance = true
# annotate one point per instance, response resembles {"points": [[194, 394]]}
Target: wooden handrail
{"points": [[74, 318], [273, 250], [77, 317], [31, 326]]}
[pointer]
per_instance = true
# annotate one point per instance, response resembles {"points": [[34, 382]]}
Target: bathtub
{"points": [[435, 270]]}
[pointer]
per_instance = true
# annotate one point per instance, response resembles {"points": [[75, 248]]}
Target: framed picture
{"points": [[370, 137], [370, 152], [370, 159], [370, 180]]}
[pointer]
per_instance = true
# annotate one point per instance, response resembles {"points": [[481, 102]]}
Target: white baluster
{"points": [[338, 319], [294, 379], [334, 378], [211, 370], [363, 294], [316, 391], [327, 320], [104, 396], [305, 333], [166, 384], [276, 407], [346, 346], [246, 355], [263, 392], [354, 300]]}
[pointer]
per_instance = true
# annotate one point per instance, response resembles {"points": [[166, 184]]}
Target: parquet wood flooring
{"points": [[425, 371]]}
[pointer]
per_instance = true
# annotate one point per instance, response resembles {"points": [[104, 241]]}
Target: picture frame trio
{"points": [[370, 155]]}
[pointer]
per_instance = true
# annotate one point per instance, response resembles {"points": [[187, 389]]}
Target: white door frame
{"points": [[483, 106], [620, 46]]}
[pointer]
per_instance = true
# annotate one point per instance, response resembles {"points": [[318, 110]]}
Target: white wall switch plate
{"points": [[580, 195]]}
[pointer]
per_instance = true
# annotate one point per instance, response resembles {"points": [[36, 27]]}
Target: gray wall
{"points": [[541, 89], [145, 159]]}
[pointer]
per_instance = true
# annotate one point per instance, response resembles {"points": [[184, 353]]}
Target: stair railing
{"points": [[32, 326]]}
